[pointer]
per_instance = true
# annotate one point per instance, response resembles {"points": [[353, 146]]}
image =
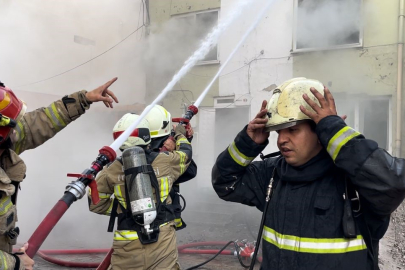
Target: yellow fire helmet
{"points": [[284, 105]]}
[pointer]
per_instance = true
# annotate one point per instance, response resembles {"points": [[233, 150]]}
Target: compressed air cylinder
{"points": [[140, 191]]}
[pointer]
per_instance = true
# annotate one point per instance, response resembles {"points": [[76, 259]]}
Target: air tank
{"points": [[140, 192]]}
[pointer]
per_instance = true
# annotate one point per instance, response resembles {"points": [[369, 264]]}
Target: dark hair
{"points": [[312, 125]]}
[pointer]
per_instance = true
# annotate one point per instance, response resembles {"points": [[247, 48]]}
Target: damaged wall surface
{"points": [[363, 76]]}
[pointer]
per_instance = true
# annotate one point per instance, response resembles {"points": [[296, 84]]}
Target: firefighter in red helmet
{"points": [[20, 131]]}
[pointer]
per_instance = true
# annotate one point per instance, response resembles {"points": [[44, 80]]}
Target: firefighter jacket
{"points": [[175, 195], [167, 166], [303, 226], [35, 128]]}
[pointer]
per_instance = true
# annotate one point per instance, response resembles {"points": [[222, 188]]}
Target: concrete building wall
{"points": [[368, 72], [263, 60], [38, 42], [45, 39], [191, 86], [171, 45]]}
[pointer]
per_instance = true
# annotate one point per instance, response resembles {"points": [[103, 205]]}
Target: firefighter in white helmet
{"points": [[20, 131], [168, 165], [159, 123], [333, 189]]}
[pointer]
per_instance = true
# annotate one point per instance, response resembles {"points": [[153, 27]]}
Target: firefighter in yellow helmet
{"points": [[131, 250], [327, 197], [20, 131]]}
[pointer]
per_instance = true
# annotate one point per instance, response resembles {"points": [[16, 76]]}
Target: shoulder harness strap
{"points": [[352, 204]]}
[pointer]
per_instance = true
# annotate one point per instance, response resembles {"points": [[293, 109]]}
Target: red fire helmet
{"points": [[11, 107]]}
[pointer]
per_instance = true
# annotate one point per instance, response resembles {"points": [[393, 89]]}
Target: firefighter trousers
{"points": [[162, 255]]}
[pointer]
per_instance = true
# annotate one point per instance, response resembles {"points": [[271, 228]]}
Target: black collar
{"points": [[313, 170]]}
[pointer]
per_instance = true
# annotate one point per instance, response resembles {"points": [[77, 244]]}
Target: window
{"points": [[327, 24], [370, 115], [199, 24]]}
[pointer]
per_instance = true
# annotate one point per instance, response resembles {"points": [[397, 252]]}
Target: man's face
{"points": [[298, 144]]}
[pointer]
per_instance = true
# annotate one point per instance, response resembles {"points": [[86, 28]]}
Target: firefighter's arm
{"points": [[105, 186], [8, 261], [379, 178], [189, 174], [236, 178], [191, 171], [180, 158], [182, 143], [19, 261], [40, 125]]}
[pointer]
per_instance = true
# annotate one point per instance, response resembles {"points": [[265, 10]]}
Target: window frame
{"points": [[194, 14], [357, 115], [334, 47]]}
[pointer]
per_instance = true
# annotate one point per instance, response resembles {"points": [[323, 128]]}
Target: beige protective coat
{"points": [[34, 129], [129, 253]]}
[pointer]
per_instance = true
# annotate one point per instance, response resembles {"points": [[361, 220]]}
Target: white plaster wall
{"points": [[203, 146], [263, 60], [38, 43]]}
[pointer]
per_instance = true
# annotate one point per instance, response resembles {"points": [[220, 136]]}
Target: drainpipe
{"points": [[147, 5], [399, 76]]}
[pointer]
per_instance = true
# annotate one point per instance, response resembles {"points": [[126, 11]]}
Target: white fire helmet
{"points": [[140, 136], [160, 122], [284, 105]]}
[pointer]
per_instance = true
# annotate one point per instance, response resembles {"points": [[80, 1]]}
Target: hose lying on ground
{"points": [[183, 249]]}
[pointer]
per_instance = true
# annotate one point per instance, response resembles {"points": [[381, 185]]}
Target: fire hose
{"points": [[242, 250], [77, 189], [74, 191]]}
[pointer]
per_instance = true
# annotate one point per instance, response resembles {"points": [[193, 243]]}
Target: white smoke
{"points": [[322, 23]]}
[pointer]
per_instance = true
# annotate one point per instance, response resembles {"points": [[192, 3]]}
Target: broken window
{"points": [[199, 24], [325, 24]]}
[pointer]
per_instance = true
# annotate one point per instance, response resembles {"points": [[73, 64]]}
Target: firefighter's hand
{"points": [[180, 129], [256, 127], [190, 131], [102, 93], [25, 260], [327, 108]]}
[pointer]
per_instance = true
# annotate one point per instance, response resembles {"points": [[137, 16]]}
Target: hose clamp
{"points": [[77, 188]]}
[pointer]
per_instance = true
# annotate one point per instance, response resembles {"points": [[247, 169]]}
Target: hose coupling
{"points": [[77, 188]]}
